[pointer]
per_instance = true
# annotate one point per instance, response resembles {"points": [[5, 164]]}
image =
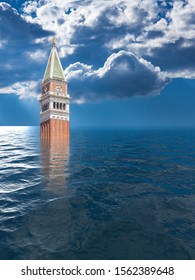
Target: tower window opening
{"points": [[57, 105], [60, 106], [45, 107], [64, 106], [54, 105]]}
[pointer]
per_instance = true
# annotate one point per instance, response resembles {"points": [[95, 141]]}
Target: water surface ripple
{"points": [[110, 194]]}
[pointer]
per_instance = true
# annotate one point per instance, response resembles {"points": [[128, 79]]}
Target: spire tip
{"points": [[53, 41]]}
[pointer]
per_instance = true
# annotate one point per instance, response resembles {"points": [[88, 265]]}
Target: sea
{"points": [[110, 194]]}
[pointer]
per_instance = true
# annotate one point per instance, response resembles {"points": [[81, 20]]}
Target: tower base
{"points": [[55, 129]]}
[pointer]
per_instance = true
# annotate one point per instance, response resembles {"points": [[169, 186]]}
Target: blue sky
{"points": [[128, 63]]}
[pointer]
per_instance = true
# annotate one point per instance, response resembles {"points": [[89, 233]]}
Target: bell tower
{"points": [[54, 100]]}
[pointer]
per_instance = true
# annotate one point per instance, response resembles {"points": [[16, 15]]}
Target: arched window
{"points": [[64, 106], [54, 105], [57, 105], [60, 106]]}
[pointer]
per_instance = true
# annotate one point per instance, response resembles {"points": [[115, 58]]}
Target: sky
{"points": [[127, 63]]}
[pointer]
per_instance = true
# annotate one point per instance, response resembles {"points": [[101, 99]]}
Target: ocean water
{"points": [[110, 194]]}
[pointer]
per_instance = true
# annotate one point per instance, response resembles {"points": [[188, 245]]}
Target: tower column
{"points": [[54, 101]]}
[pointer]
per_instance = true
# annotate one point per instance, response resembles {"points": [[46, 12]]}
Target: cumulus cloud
{"points": [[146, 28], [150, 35], [168, 40], [123, 75], [85, 25]]}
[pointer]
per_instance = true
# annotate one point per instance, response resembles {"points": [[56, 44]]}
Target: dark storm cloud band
{"points": [[18, 36]]}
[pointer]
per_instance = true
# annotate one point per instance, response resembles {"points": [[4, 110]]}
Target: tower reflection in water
{"points": [[54, 161]]}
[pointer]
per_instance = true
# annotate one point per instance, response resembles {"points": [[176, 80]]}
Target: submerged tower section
{"points": [[54, 101]]}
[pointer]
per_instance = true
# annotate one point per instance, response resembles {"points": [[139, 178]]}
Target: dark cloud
{"points": [[175, 57], [122, 76], [172, 23], [17, 38], [15, 29], [92, 40], [154, 34]]}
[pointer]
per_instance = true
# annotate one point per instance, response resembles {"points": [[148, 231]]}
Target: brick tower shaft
{"points": [[55, 129]]}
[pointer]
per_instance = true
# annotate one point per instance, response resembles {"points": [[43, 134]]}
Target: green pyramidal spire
{"points": [[54, 68]]}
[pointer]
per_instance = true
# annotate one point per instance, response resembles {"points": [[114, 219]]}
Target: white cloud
{"points": [[30, 7], [5, 6], [27, 89], [37, 55], [134, 25], [78, 70], [3, 43], [65, 17]]}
